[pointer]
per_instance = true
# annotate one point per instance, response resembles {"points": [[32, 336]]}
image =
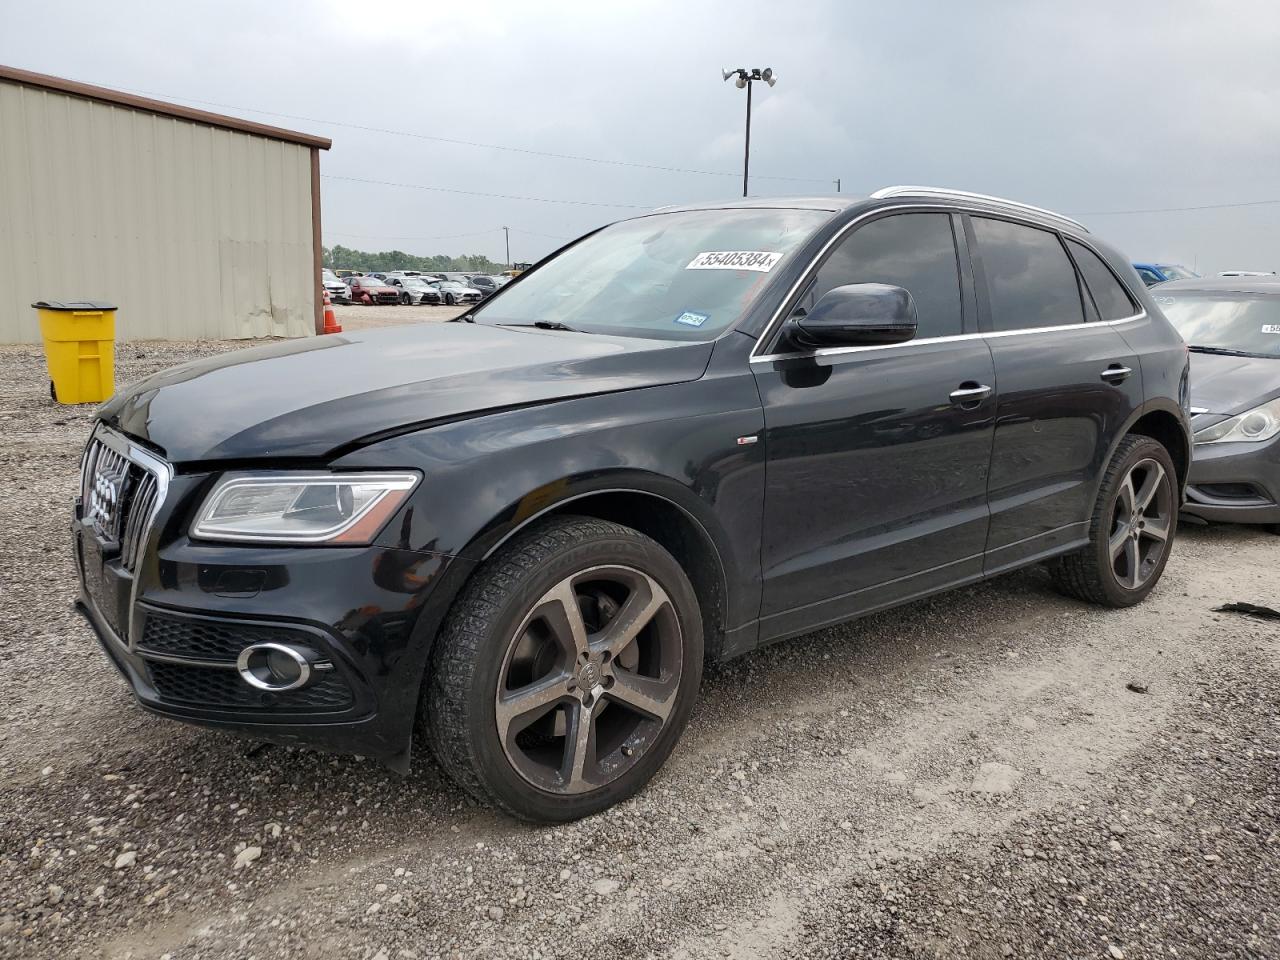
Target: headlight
{"points": [[1252, 426], [312, 507]]}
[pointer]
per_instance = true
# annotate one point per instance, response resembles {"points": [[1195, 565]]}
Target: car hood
{"points": [[307, 398], [1227, 385]]}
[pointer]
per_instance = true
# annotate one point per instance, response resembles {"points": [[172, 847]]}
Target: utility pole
{"points": [[507, 232], [745, 78], [837, 184]]}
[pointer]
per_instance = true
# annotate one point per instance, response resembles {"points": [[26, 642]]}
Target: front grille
{"points": [[119, 499], [219, 687], [212, 640]]}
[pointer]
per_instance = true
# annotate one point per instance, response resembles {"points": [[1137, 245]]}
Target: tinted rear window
{"points": [[1030, 280], [1113, 303]]}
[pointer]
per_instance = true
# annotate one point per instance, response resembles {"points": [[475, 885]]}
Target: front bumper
{"points": [[175, 624], [1235, 482]]}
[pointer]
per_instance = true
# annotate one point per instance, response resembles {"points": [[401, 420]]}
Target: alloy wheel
{"points": [[589, 679], [1141, 522]]}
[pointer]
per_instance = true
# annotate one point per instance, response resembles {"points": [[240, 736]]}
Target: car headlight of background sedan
{"points": [[1252, 426], [305, 507]]}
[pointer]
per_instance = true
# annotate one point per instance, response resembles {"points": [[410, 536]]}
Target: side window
{"points": [[1112, 300], [1030, 279], [915, 251]]}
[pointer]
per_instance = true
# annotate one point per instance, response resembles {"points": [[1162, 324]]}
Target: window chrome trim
{"points": [[775, 321], [885, 193], [982, 335]]}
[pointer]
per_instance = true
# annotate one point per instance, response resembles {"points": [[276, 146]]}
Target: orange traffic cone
{"points": [[331, 324]]}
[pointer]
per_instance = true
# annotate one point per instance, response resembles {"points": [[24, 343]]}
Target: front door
{"points": [[877, 457]]}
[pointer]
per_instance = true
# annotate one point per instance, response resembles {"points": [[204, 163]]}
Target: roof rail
{"points": [[912, 191]]}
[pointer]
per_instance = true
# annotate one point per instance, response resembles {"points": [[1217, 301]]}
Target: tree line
{"points": [[339, 257]]}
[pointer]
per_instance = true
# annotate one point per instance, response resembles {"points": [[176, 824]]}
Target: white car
{"points": [[338, 291]]}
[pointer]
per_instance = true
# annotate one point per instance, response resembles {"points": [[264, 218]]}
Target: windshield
{"points": [[1173, 271], [329, 277], [450, 285], [678, 276], [1237, 322], [414, 282]]}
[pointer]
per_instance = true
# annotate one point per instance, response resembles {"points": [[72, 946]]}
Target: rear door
{"points": [[876, 479], [1067, 383]]}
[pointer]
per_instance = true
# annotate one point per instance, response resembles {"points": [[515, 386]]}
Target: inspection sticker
{"points": [[1271, 328], [691, 319], [761, 261]]}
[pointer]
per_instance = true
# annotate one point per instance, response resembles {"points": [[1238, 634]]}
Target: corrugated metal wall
{"points": [[192, 231]]}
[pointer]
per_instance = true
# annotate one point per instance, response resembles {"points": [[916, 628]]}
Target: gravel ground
{"points": [[969, 776]]}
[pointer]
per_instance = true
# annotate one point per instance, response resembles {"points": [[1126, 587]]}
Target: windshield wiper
{"points": [[1225, 351], [545, 325]]}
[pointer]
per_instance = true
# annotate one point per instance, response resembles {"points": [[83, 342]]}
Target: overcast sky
{"points": [[1081, 107]]}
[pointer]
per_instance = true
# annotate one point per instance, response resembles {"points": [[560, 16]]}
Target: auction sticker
{"points": [[1271, 328], [691, 319], [761, 261]]}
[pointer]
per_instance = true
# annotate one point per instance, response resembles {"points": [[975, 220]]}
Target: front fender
{"points": [[485, 478]]}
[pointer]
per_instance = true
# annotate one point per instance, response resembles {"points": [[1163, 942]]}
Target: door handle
{"points": [[1116, 373], [970, 394]]}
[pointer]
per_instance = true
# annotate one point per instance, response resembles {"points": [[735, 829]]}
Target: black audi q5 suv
{"points": [[522, 534]]}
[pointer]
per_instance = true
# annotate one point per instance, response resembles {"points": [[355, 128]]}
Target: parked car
{"points": [[372, 290], [454, 292], [336, 289], [1232, 328], [686, 435], [487, 285], [1153, 273], [415, 290]]}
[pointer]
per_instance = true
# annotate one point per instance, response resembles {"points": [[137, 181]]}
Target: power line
{"points": [[376, 236], [494, 196], [446, 236], [1204, 206], [472, 143]]}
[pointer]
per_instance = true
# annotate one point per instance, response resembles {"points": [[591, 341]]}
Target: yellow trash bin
{"points": [[79, 346]]}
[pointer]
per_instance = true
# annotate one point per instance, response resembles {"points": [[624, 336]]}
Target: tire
{"points": [[449, 299], [405, 300], [503, 627], [1123, 539]]}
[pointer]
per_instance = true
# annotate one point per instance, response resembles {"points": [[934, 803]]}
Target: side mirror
{"points": [[857, 314]]}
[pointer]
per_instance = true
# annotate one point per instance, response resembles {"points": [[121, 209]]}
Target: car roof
{"points": [[1270, 285], [886, 196]]}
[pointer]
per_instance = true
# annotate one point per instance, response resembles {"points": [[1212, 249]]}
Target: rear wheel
{"points": [[1131, 532], [566, 670]]}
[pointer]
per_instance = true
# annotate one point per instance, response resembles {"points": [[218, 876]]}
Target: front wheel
{"points": [[1131, 531], [566, 670], [404, 299], [449, 299]]}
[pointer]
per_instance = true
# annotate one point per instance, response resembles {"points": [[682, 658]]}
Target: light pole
{"points": [[507, 232], [745, 78]]}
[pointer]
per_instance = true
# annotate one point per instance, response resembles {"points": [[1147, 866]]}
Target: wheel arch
{"points": [[1166, 425], [658, 516]]}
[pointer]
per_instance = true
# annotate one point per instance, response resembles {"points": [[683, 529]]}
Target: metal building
{"points": [[195, 225]]}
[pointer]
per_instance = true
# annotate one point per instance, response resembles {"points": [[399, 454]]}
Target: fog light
{"points": [[274, 666]]}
